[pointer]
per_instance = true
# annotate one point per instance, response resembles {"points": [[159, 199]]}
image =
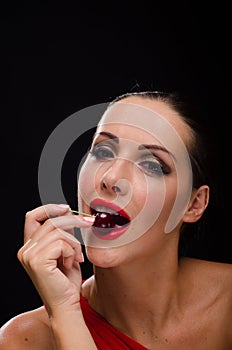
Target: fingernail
{"points": [[65, 206], [88, 218], [82, 257]]}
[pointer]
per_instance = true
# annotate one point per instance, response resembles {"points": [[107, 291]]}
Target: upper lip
{"points": [[108, 205]]}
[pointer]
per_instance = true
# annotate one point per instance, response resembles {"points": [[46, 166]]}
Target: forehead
{"points": [[126, 132], [144, 121]]}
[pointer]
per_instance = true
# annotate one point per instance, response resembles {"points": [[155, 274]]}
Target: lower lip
{"points": [[115, 233]]}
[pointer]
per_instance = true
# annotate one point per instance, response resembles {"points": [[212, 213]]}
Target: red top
{"points": [[106, 337]]}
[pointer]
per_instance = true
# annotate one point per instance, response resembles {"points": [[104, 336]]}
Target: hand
{"points": [[51, 255]]}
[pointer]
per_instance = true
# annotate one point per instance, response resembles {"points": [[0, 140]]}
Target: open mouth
{"points": [[110, 220]]}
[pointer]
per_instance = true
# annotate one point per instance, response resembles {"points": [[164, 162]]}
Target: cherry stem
{"points": [[81, 213]]}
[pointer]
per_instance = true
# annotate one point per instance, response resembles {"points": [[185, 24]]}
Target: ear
{"points": [[197, 205]]}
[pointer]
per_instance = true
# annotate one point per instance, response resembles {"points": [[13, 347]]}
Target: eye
{"points": [[101, 152], [155, 167]]}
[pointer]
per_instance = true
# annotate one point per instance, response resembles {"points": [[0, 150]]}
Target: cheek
{"points": [[86, 182], [89, 181], [170, 191], [154, 204], [170, 198]]}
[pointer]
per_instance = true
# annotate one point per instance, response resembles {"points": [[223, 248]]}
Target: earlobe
{"points": [[197, 205]]}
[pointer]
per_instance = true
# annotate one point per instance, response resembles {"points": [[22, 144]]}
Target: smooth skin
{"points": [[161, 301]]}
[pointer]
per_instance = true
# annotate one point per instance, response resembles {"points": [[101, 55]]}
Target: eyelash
{"points": [[97, 150], [157, 167]]}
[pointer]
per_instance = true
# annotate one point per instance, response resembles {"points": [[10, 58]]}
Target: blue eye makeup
{"points": [[155, 167], [102, 152], [149, 163]]}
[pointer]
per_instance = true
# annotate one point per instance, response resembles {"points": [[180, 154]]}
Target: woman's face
{"points": [[137, 176]]}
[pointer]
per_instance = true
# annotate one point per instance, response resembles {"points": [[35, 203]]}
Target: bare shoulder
{"points": [[214, 278], [211, 287], [212, 271], [29, 330]]}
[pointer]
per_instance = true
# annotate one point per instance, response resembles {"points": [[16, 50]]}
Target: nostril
{"points": [[104, 185], [116, 189]]}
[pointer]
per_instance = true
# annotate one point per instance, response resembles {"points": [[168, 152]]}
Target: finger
{"points": [[36, 217], [44, 269], [71, 231], [70, 256], [67, 223], [44, 241], [50, 258]]}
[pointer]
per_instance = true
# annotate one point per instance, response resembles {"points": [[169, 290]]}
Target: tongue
{"points": [[106, 220]]}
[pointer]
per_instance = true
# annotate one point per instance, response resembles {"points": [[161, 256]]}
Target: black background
{"points": [[57, 59]]}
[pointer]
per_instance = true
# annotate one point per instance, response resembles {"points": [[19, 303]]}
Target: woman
{"points": [[142, 184]]}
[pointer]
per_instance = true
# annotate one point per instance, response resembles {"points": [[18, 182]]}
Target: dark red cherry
{"points": [[104, 220]]}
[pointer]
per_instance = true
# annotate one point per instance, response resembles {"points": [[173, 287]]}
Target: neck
{"points": [[144, 289]]}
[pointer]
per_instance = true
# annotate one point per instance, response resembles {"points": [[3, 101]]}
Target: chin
{"points": [[103, 257]]}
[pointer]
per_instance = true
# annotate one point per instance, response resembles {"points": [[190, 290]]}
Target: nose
{"points": [[117, 178]]}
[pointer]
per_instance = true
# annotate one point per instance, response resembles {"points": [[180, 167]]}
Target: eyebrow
{"points": [[156, 148], [140, 148], [109, 135]]}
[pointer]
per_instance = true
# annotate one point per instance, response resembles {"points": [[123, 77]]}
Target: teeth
{"points": [[103, 209]]}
